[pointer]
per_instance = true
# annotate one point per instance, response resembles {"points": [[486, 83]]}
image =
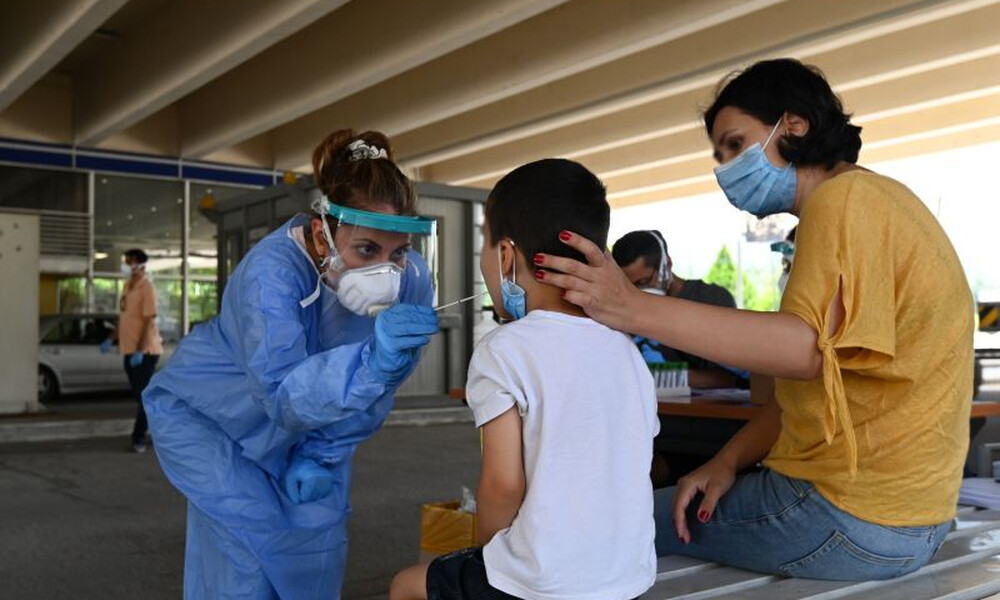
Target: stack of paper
{"points": [[980, 491]]}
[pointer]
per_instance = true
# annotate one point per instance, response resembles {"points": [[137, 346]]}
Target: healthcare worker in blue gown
{"points": [[257, 416]]}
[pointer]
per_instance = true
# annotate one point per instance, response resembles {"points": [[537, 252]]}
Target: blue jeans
{"points": [[775, 524]]}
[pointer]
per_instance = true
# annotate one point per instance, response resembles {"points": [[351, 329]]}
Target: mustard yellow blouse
{"points": [[883, 434]]}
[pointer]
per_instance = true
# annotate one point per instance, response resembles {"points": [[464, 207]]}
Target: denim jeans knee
{"points": [[776, 524]]}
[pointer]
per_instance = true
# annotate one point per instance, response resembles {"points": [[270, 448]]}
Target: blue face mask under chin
{"points": [[753, 184], [512, 295]]}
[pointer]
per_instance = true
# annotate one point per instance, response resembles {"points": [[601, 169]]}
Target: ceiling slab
{"points": [[792, 29], [345, 53], [469, 89], [559, 43], [35, 36], [174, 52]]}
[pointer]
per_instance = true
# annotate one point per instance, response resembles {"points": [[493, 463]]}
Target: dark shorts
{"points": [[461, 575]]}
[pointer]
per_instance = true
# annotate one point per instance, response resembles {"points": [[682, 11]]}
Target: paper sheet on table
{"points": [[980, 491], [723, 393]]}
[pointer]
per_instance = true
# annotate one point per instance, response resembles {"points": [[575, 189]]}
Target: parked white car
{"points": [[70, 359]]}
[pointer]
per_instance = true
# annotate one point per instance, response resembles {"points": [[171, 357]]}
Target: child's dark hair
{"points": [[644, 244], [536, 201], [769, 89], [358, 181]]}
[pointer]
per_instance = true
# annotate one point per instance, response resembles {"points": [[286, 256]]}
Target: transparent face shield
{"points": [[663, 275], [368, 254], [787, 251]]}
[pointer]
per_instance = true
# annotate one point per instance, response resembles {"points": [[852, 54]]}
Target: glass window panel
{"points": [[168, 308], [43, 189], [131, 212], [65, 332], [203, 249], [72, 295], [79, 330], [203, 301], [106, 291], [94, 331]]}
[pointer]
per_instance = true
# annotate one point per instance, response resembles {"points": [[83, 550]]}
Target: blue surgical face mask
{"points": [[512, 295], [755, 185]]}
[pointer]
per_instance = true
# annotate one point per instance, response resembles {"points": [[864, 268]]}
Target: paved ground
{"points": [[89, 520]]}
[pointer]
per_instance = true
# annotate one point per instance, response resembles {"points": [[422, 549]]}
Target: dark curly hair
{"points": [[769, 89]]}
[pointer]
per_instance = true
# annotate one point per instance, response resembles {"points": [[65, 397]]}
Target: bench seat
{"points": [[966, 567]]}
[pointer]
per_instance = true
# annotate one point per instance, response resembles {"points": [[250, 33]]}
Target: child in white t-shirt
{"points": [[567, 409]]}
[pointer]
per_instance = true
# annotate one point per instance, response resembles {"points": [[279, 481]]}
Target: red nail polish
{"points": [[539, 274], [703, 516], [538, 259], [563, 294], [565, 236]]}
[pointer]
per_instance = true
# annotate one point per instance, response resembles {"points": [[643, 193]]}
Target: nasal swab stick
{"points": [[444, 306]]}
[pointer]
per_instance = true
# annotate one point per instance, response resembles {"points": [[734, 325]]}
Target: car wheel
{"points": [[48, 386]]}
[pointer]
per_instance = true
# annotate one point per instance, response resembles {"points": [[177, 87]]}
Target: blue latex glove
{"points": [[135, 359], [400, 333], [307, 481], [106, 346]]}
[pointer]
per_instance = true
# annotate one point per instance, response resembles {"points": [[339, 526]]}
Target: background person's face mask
{"points": [[129, 270], [512, 295], [753, 184]]}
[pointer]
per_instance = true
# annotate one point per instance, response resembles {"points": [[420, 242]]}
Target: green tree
{"points": [[723, 271], [750, 296], [760, 291]]}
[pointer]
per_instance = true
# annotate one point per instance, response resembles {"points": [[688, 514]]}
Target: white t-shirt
{"points": [[588, 410]]}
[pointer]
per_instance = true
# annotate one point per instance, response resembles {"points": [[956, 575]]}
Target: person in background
{"points": [[137, 335], [644, 258], [567, 411], [683, 443], [786, 248]]}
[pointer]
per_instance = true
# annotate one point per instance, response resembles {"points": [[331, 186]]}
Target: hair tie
{"points": [[360, 150]]}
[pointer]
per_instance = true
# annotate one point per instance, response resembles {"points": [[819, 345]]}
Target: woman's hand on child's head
{"points": [[598, 286], [713, 480]]}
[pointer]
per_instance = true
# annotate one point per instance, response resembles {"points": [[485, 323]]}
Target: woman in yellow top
{"points": [[864, 444]]}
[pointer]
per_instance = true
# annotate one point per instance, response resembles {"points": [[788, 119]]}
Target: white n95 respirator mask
{"points": [[369, 290]]}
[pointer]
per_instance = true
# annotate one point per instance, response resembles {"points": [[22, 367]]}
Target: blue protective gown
{"points": [[279, 373]]}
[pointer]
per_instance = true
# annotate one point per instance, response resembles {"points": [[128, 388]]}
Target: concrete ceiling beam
{"points": [[177, 50], [557, 44], [348, 51], [909, 70], [35, 36], [620, 87]]}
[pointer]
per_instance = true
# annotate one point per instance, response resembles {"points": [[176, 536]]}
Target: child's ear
{"points": [[508, 254]]}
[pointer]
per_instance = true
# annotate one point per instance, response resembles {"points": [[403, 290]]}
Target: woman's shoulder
{"points": [[861, 182], [835, 197]]}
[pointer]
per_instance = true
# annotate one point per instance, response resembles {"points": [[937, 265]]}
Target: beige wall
{"points": [[19, 252]]}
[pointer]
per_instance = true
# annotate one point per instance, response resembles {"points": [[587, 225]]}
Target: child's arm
{"points": [[502, 483]]}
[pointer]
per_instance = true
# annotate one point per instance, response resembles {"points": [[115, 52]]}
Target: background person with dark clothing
{"points": [[137, 335], [643, 257]]}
